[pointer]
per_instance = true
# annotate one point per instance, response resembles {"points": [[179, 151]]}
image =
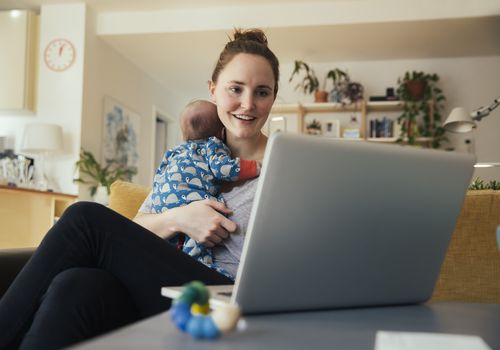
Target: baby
{"points": [[194, 170]]}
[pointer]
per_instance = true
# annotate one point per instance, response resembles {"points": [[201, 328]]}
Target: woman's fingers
{"points": [[217, 233], [228, 226], [225, 223], [220, 207], [215, 238]]}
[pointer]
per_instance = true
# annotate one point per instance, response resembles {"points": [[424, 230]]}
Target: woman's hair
{"points": [[251, 41]]}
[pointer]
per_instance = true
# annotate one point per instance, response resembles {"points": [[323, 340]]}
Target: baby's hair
{"points": [[200, 124], [251, 41]]}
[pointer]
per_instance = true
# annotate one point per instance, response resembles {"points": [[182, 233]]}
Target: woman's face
{"points": [[244, 95]]}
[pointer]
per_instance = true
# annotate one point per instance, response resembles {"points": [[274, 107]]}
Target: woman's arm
{"points": [[204, 221]]}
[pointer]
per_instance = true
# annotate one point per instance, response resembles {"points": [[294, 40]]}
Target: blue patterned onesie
{"points": [[194, 171]]}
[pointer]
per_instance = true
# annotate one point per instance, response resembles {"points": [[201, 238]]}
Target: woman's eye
{"points": [[262, 93], [235, 89]]}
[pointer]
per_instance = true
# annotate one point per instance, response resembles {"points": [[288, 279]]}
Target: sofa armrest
{"points": [[11, 262]]}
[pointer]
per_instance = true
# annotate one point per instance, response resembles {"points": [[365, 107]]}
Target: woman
{"points": [[95, 270]]}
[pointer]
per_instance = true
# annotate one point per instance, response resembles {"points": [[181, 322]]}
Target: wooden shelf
{"points": [[320, 107], [382, 139], [348, 139], [331, 107], [423, 139], [394, 139], [364, 108], [384, 106], [285, 108]]}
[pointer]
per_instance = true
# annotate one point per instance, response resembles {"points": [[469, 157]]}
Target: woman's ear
{"points": [[211, 90]]}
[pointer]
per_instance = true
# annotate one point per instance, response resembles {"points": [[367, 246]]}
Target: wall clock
{"points": [[59, 55]]}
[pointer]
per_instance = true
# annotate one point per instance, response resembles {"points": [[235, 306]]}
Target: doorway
{"points": [[161, 139], [164, 136]]}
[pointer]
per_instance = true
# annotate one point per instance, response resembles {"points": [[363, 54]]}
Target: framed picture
{"points": [[277, 124], [331, 128], [120, 140]]}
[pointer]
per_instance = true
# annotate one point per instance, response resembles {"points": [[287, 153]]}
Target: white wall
{"points": [[107, 73], [59, 93], [74, 98], [469, 82]]}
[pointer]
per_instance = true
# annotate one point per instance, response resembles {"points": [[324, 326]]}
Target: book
{"points": [[381, 127]]}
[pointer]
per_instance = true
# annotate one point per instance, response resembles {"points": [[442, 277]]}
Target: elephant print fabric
{"points": [[193, 171]]}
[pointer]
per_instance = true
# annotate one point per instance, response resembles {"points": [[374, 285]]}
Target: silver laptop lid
{"points": [[337, 224]]}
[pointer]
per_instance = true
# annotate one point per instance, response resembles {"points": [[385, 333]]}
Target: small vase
{"points": [[335, 95], [101, 195]]}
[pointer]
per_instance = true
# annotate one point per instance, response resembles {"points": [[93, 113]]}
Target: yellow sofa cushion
{"points": [[126, 197]]}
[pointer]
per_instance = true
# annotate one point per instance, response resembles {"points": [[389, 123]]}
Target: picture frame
{"points": [[121, 134], [277, 124], [331, 128]]}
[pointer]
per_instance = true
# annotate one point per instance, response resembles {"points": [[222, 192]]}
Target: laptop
{"points": [[339, 223]]}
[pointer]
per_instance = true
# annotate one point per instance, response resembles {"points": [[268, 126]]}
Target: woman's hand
{"points": [[204, 221]]}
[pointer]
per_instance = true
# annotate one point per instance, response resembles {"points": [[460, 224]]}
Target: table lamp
{"points": [[41, 139], [460, 121]]}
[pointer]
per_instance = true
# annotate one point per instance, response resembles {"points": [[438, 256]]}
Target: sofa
{"points": [[470, 271]]}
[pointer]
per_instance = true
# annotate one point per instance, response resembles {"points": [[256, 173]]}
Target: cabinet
{"points": [[26, 215], [18, 58], [296, 114]]}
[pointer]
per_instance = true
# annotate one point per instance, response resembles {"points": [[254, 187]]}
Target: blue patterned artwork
{"points": [[120, 135]]}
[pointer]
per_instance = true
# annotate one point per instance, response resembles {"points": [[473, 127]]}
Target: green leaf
{"points": [[91, 172]]}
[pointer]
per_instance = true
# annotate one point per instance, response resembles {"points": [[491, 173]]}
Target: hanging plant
{"points": [[422, 107]]}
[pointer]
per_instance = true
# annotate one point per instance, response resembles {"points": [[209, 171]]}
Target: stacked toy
{"points": [[191, 313]]}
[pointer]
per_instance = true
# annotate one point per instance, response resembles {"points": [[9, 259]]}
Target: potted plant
{"points": [[309, 83], [340, 79], [479, 184], [422, 101], [100, 178], [313, 128]]}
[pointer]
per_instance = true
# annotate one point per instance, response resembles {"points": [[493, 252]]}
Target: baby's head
{"points": [[199, 120]]}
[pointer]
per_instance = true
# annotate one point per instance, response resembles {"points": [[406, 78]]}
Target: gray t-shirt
{"points": [[239, 200]]}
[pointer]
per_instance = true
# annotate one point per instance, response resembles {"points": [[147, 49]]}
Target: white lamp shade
{"points": [[459, 121], [42, 138]]}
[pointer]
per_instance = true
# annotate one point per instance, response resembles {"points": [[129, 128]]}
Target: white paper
{"points": [[385, 340]]}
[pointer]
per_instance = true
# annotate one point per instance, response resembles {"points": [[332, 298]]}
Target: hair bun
{"points": [[250, 35]]}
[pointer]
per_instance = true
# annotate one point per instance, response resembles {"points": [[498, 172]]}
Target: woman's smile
{"points": [[244, 117]]}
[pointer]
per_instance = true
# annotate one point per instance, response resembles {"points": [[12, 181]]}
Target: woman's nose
{"points": [[247, 101]]}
